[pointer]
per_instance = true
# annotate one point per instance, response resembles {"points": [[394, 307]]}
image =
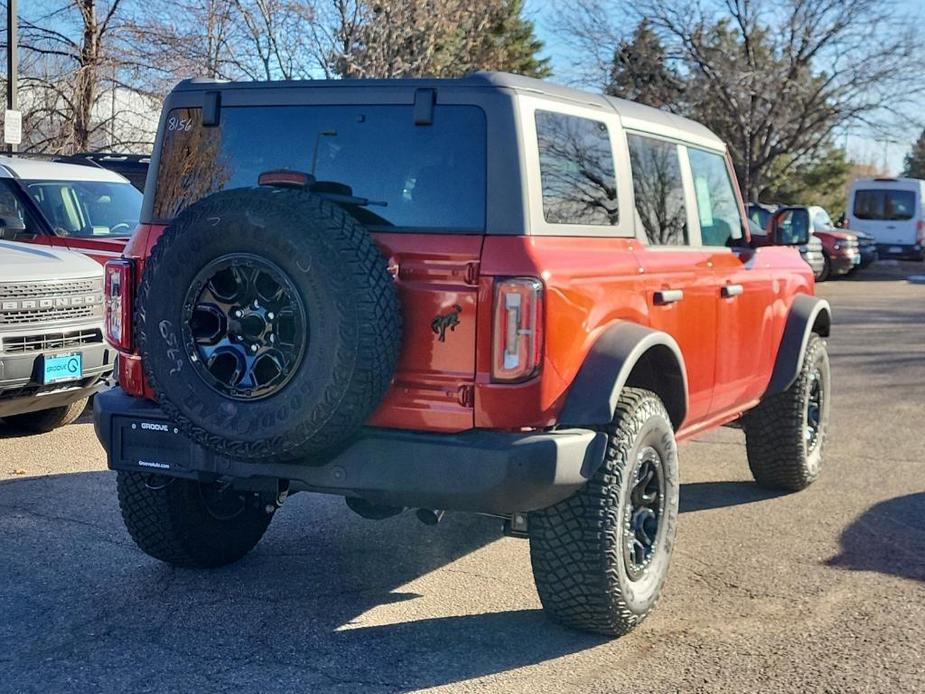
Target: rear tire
{"points": [[785, 434], [598, 562], [43, 421], [190, 524]]}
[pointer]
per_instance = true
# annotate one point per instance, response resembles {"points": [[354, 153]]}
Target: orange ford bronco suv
{"points": [[488, 294]]}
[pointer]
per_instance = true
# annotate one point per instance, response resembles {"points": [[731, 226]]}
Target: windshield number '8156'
{"points": [[175, 124]]}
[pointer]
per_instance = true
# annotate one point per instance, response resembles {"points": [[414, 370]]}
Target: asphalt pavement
{"points": [[820, 591]]}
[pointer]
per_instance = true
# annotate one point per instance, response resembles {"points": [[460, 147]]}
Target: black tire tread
{"points": [[376, 333], [774, 433], [42, 421], [168, 525], [573, 544]]}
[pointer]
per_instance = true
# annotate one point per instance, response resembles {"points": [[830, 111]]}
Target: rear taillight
{"points": [[118, 285], [517, 335], [920, 231]]}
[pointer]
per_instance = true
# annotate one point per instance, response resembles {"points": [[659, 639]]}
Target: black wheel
{"points": [[601, 556], [42, 421], [268, 323], [785, 434], [826, 269], [188, 523]]}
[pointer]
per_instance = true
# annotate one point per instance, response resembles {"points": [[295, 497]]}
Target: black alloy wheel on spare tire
{"points": [[268, 323]]}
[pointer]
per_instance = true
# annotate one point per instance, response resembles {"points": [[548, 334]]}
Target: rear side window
{"points": [[659, 190], [717, 207], [892, 205], [390, 173], [577, 170]]}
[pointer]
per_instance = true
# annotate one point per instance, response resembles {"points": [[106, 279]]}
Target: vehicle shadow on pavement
{"points": [[85, 610], [701, 496], [888, 538]]}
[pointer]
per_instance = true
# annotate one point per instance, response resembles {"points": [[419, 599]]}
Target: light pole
{"points": [[12, 70]]}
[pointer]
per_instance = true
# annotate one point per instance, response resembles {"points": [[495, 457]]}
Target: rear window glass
{"points": [[390, 173], [577, 170], [896, 205]]}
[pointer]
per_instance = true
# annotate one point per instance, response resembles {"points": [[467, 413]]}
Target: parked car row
{"points": [[58, 224], [828, 250]]}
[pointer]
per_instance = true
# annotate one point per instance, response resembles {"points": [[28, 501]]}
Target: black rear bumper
{"points": [[478, 470]]}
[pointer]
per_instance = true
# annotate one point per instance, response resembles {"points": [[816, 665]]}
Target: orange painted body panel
{"points": [[588, 283], [437, 275], [729, 344], [690, 321], [432, 387]]}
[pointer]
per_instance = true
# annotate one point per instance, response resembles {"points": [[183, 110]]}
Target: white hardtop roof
{"points": [[44, 170], [652, 120]]}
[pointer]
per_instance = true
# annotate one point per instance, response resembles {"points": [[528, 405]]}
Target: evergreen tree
{"points": [[914, 163], [510, 43], [639, 71], [439, 38], [820, 180]]}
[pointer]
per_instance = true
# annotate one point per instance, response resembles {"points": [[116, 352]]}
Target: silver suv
{"points": [[52, 353]]}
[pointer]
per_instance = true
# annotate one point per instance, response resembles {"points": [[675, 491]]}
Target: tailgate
{"points": [[434, 383]]}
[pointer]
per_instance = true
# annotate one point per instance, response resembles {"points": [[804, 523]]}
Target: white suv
{"points": [[52, 353]]}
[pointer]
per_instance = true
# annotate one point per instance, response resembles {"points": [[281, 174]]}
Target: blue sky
{"points": [[860, 148]]}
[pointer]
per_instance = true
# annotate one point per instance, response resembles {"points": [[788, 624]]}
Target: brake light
{"points": [[517, 334], [118, 287], [920, 231]]}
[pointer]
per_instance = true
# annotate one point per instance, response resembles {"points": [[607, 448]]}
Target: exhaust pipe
{"points": [[363, 508], [429, 516]]}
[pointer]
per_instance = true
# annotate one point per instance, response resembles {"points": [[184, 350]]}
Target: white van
{"points": [[891, 210]]}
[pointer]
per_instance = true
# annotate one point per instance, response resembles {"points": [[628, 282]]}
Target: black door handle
{"points": [[731, 290], [668, 296]]}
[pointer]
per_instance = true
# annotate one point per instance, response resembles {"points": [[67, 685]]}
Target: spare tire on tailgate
{"points": [[268, 323]]}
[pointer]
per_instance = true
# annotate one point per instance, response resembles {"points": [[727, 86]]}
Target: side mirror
{"points": [[791, 226]]}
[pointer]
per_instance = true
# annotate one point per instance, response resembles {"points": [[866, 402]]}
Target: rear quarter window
{"points": [[393, 174], [576, 170]]}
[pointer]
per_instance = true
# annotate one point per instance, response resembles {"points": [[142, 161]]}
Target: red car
{"points": [[489, 294], [82, 208]]}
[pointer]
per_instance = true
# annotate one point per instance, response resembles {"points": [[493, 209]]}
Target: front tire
{"points": [[785, 434], [826, 273], [43, 421], [600, 557], [190, 524]]}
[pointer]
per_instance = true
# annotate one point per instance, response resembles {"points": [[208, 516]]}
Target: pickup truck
{"points": [[52, 353]]}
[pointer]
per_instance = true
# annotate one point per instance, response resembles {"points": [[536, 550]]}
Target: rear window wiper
{"points": [[351, 199]]}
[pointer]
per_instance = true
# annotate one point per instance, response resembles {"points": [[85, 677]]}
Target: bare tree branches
{"points": [[776, 79]]}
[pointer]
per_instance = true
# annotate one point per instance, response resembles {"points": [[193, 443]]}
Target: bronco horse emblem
{"points": [[447, 320]]}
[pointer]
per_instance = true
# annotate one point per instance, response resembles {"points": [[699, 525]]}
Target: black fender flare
{"points": [[808, 314], [621, 347]]}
